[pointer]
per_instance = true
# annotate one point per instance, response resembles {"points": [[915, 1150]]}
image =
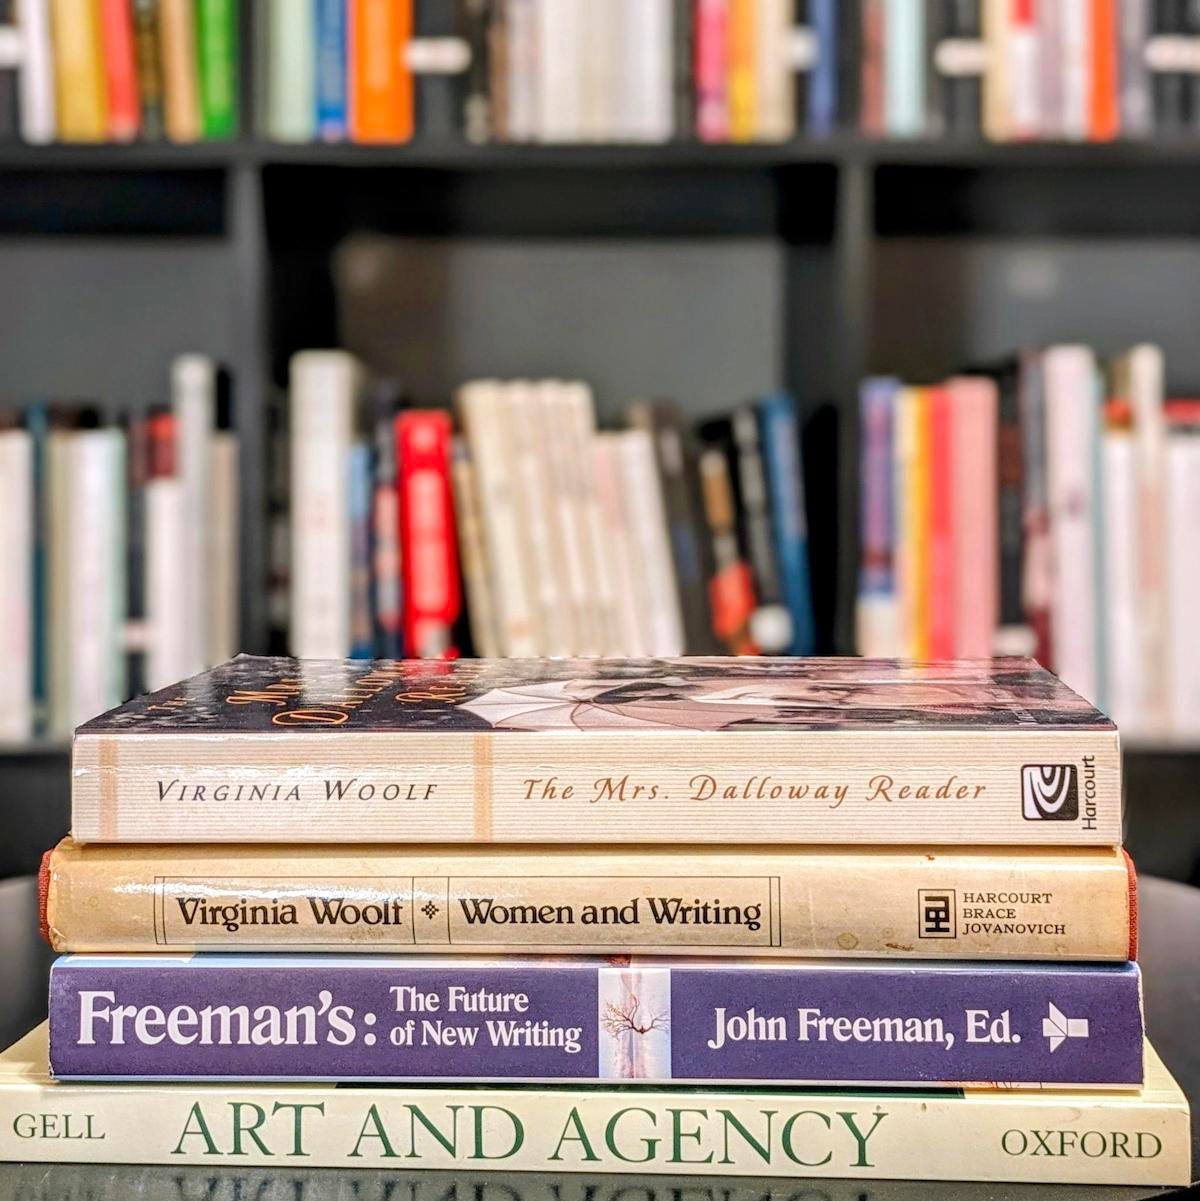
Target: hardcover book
{"points": [[374, 1018], [603, 751], [905, 903], [1137, 1136]]}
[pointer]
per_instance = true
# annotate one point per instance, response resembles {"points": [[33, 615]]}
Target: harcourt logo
{"points": [[1050, 793]]}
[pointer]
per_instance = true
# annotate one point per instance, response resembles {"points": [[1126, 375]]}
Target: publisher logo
{"points": [[1050, 793], [935, 913]]}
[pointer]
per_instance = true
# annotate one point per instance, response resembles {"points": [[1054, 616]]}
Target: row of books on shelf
{"points": [[565, 71], [118, 70], [1047, 507], [120, 551], [554, 537], [467, 877]]}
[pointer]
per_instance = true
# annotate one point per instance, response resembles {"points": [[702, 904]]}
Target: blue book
{"points": [[823, 81], [331, 65], [785, 482]]}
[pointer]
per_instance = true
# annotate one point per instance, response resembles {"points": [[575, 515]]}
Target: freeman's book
{"points": [[1087, 1137], [358, 1018], [894, 902], [603, 751]]}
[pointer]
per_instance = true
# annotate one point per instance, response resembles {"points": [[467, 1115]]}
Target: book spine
{"points": [[323, 387], [1122, 638], [148, 52], [1036, 566], [774, 77], [36, 99], [530, 1020], [428, 556], [1170, 83], [1010, 470], [906, 904], [1183, 578], [483, 23], [585, 1132], [81, 105], [1104, 117], [904, 68], [1136, 100], [558, 38], [871, 82], [683, 58], [59, 583], [1024, 51], [1076, 68], [16, 585], [217, 47], [740, 70], [912, 480], [166, 524], [943, 582], [358, 515], [124, 113], [876, 617], [955, 59], [330, 70], [712, 77], [628, 634], [522, 65], [815, 786], [136, 425], [645, 71], [290, 71], [481, 611], [224, 512], [388, 600], [181, 82], [823, 80]]}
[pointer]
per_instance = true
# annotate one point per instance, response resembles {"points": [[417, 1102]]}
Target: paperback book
{"points": [[908, 903], [1139, 1136], [603, 751], [471, 1019]]}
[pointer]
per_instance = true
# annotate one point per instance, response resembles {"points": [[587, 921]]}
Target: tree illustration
{"points": [[628, 1018]]}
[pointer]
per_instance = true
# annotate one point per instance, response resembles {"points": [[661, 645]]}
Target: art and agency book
{"points": [[525, 1019], [1139, 1136], [894, 902], [603, 751]]}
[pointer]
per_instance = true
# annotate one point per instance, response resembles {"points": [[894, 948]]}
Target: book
{"points": [[168, 648], [1013, 633], [290, 72], [16, 585], [81, 107], [575, 1130], [1036, 569], [223, 545], [824, 86], [181, 83], [520, 58], [942, 552], [330, 74], [36, 85], [774, 77], [769, 901], [148, 59], [1122, 647], [387, 602], [558, 81], [217, 58], [956, 68], [358, 517], [1104, 111], [712, 82], [324, 389], [477, 751], [120, 70], [1183, 555], [731, 590], [877, 616], [629, 633], [740, 69], [357, 1018], [644, 71], [381, 84], [911, 476], [904, 68]]}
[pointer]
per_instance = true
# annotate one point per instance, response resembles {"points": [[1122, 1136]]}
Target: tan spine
{"points": [[905, 903]]}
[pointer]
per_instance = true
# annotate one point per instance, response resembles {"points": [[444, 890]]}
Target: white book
{"points": [[472, 556], [604, 35], [194, 404], [324, 391], [16, 585], [1075, 27], [1072, 417], [1122, 637], [631, 632], [223, 547], [645, 71], [774, 76], [35, 79], [481, 408], [560, 52], [521, 30], [96, 555], [651, 543], [166, 638], [1183, 579]]}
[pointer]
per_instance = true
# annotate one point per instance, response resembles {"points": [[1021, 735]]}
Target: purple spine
{"points": [[876, 408], [352, 1018]]}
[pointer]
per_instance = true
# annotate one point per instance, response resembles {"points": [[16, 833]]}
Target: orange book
{"points": [[79, 71], [743, 120], [1104, 118], [381, 85], [942, 590], [120, 71], [181, 84]]}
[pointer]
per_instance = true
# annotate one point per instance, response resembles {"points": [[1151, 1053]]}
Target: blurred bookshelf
{"points": [[805, 265]]}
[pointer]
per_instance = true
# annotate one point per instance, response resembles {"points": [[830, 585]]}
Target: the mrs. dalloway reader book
{"points": [[1091, 1136], [474, 1019], [603, 751]]}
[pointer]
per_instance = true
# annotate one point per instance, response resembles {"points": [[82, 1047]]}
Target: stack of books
{"points": [[600, 915], [532, 532], [1045, 506]]}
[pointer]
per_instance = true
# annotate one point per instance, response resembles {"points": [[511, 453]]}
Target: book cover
{"points": [[877, 618], [36, 93], [890, 1135], [357, 1018], [120, 70], [858, 902], [330, 70], [148, 57], [181, 82], [781, 750], [291, 69], [81, 105], [217, 59]]}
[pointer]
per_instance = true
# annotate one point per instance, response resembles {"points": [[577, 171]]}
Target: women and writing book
{"points": [[121, 551], [1044, 507]]}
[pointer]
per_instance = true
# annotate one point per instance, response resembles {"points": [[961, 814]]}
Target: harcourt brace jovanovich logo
{"points": [[1050, 793]]}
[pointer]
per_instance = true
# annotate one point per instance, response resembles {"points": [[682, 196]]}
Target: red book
{"points": [[1104, 118], [941, 525], [120, 70], [712, 70], [428, 544]]}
